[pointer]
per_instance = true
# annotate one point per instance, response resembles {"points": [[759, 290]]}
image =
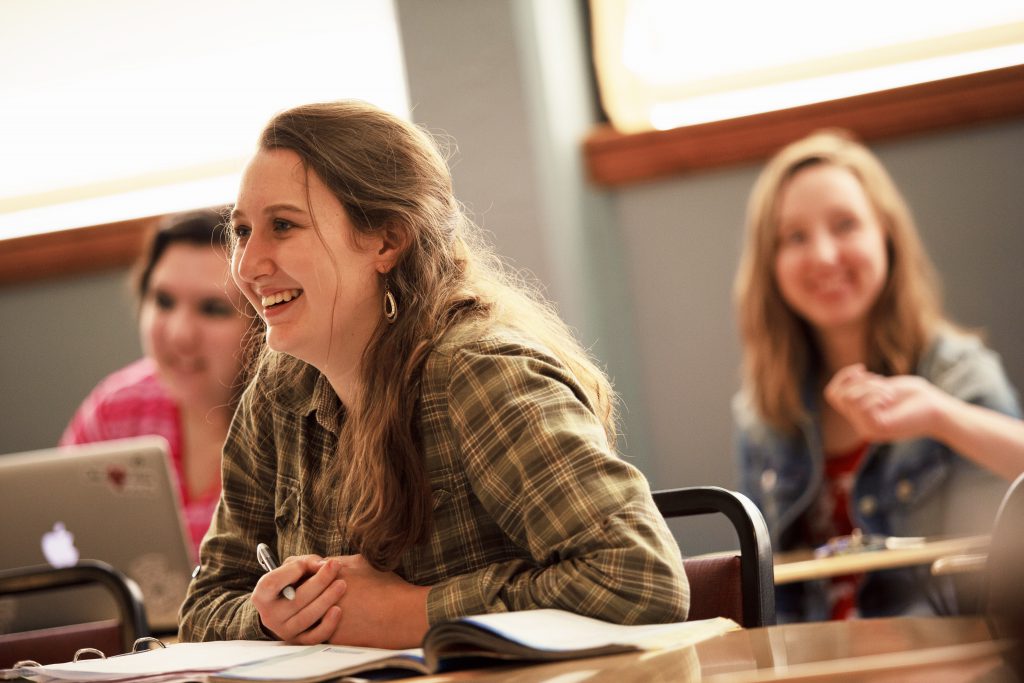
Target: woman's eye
{"points": [[215, 308], [281, 225], [163, 301], [793, 237], [240, 231], [845, 225]]}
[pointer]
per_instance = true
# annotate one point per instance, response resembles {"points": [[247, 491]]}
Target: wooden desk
{"points": [[901, 649], [802, 565]]}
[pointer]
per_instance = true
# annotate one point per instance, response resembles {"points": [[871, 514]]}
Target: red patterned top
{"points": [[830, 517]]}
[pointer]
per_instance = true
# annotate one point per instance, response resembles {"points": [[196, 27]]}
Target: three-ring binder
{"points": [[140, 645], [136, 648]]}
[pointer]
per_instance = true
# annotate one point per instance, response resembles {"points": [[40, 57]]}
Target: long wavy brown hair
{"points": [[390, 174], [779, 350]]}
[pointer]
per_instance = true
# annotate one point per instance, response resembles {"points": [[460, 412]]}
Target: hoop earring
{"points": [[390, 304]]}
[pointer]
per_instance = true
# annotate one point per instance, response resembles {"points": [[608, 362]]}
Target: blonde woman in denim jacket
{"points": [[834, 285]]}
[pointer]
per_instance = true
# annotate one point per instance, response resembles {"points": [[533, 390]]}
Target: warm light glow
{"points": [[665, 63], [121, 109], [808, 91], [162, 199], [668, 42]]}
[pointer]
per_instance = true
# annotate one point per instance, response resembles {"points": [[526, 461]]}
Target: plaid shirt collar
{"points": [[312, 393]]}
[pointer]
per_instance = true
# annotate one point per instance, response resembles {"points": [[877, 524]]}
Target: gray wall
{"points": [[644, 273], [57, 339]]}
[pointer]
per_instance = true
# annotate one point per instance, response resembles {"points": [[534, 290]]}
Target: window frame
{"points": [[615, 159], [76, 251]]}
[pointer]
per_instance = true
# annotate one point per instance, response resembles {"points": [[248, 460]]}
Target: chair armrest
{"points": [[124, 591]]}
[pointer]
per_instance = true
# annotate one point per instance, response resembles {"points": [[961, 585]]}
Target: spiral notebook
{"points": [[115, 501]]}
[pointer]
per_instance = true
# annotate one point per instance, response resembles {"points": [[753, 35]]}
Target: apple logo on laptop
{"points": [[59, 547]]}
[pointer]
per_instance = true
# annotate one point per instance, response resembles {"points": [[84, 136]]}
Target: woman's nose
{"points": [[251, 261], [824, 249], [182, 329]]}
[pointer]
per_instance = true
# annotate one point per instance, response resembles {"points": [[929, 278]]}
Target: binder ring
{"points": [[26, 663], [88, 651], [146, 641]]}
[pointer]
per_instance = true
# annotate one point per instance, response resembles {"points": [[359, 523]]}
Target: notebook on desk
{"points": [[115, 501]]}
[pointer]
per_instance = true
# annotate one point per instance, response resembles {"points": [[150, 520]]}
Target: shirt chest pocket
{"points": [[429, 562], [443, 492], [288, 517], [920, 469]]}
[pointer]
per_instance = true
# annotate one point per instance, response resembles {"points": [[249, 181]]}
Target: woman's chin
{"points": [[192, 391], [280, 342]]}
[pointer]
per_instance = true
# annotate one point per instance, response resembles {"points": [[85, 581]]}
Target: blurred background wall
{"points": [[644, 273]]}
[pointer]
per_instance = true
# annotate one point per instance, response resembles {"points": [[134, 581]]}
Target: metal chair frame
{"points": [[756, 570], [124, 591]]}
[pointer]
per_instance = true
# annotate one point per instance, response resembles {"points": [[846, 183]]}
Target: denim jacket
{"points": [[908, 488]]}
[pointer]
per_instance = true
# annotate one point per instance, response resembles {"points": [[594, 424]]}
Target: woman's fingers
{"points": [[317, 587], [315, 597], [322, 631], [318, 575]]}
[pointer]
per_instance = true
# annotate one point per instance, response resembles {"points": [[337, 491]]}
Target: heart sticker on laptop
{"points": [[116, 476]]}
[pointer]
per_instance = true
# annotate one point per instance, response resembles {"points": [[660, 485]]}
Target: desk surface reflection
{"points": [[900, 649]]}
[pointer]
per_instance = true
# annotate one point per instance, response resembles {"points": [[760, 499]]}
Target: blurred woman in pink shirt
{"points": [[192, 321]]}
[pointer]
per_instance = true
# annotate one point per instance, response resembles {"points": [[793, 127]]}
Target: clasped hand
{"points": [[885, 408], [341, 600]]}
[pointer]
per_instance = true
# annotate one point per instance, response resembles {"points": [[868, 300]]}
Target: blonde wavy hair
{"points": [[390, 174], [779, 350]]}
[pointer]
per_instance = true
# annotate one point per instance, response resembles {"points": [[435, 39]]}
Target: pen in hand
{"points": [[266, 559]]}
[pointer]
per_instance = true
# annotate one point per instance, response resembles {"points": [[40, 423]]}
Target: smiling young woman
{"points": [[423, 437], [834, 281]]}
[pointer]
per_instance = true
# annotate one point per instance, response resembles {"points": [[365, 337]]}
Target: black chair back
{"points": [[716, 581], [59, 643]]}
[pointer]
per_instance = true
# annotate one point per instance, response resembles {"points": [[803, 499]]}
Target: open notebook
{"points": [[115, 501], [471, 642]]}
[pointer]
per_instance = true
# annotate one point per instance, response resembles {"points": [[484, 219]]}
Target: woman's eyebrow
{"points": [[284, 206], [273, 208]]}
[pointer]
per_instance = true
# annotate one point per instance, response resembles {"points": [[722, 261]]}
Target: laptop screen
{"points": [[114, 501]]}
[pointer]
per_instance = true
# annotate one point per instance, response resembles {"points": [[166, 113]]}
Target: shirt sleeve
{"points": [[217, 606], [86, 424], [977, 376], [971, 493], [538, 461]]}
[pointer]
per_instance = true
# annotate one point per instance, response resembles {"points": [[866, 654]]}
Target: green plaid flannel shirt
{"points": [[531, 507]]}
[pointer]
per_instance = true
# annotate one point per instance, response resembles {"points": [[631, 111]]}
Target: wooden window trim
{"points": [[73, 252], [615, 159]]}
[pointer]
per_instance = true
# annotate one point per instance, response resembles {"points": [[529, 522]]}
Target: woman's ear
{"points": [[394, 240]]}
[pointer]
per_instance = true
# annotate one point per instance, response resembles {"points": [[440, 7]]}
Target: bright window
{"points": [[662, 64], [118, 109]]}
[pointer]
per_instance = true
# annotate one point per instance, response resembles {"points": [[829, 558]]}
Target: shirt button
{"points": [[768, 480], [867, 505], [904, 490]]}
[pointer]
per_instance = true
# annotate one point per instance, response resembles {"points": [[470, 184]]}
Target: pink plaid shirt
{"points": [[132, 402]]}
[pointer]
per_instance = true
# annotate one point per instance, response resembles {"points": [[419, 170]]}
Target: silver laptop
{"points": [[114, 501]]}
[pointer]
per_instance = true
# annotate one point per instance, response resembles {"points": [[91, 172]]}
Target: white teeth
{"points": [[280, 297]]}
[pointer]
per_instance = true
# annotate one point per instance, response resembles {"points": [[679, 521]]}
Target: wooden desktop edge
{"points": [[790, 568], [966, 563], [875, 664]]}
